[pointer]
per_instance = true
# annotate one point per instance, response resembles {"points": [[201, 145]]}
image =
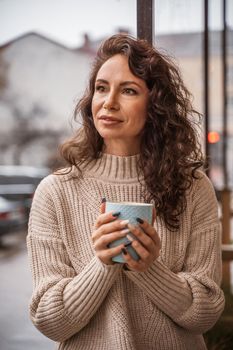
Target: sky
{"points": [[66, 21]]}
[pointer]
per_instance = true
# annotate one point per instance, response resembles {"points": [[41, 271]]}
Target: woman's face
{"points": [[119, 104]]}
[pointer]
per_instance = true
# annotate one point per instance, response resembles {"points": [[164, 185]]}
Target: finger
{"points": [[143, 263], [146, 255], [141, 236], [134, 265], [106, 255], [104, 218], [149, 230], [104, 241], [110, 228], [103, 206]]}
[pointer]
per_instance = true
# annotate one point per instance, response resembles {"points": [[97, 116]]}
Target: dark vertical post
{"points": [[224, 88], [226, 193], [145, 20], [206, 78]]}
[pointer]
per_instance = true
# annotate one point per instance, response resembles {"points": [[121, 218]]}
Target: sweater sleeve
{"points": [[192, 298], [63, 302]]}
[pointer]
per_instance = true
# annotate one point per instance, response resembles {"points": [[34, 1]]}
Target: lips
{"points": [[109, 118]]}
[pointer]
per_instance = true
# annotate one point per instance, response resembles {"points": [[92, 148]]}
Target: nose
{"points": [[111, 101]]}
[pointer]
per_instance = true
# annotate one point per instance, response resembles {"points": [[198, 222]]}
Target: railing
{"points": [[227, 248], [227, 252]]}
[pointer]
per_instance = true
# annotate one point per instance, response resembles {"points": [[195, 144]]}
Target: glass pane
{"points": [[46, 48], [179, 32], [216, 89], [179, 26]]}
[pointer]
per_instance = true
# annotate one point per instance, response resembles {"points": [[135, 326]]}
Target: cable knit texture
{"points": [[83, 304]]}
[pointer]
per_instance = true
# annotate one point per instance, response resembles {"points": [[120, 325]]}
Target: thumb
{"points": [[103, 206]]}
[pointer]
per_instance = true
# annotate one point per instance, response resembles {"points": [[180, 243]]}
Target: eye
{"points": [[130, 91], [100, 88]]}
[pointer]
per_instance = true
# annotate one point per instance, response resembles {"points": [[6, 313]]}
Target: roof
{"points": [[179, 44], [33, 34]]}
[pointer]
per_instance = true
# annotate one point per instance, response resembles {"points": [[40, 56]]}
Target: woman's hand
{"points": [[106, 230], [147, 245]]}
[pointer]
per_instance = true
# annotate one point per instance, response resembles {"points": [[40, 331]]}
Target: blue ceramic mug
{"points": [[129, 211]]}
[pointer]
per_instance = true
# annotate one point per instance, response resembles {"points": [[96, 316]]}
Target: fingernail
{"points": [[126, 230], [127, 244], [117, 213], [124, 251], [139, 220], [124, 222], [130, 238], [103, 200]]}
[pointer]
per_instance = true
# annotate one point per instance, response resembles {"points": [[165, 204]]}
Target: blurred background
{"points": [[46, 49]]}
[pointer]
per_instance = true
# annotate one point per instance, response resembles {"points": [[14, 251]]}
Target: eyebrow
{"points": [[127, 82]]}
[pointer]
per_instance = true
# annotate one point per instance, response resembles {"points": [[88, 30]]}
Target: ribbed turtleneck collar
{"points": [[110, 167]]}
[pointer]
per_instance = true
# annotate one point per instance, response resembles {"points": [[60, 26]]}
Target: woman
{"points": [[138, 143]]}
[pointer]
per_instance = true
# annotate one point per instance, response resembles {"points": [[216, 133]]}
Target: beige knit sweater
{"points": [[83, 304]]}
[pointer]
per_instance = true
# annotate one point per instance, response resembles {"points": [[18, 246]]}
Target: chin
{"points": [[110, 134]]}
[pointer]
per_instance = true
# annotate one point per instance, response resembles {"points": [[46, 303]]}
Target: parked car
{"points": [[18, 183], [13, 216]]}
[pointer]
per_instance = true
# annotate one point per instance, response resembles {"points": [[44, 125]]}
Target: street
{"points": [[16, 330]]}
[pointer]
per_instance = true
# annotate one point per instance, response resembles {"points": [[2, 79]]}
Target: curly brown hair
{"points": [[170, 152]]}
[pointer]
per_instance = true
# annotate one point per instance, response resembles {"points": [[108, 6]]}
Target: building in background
{"points": [[42, 83]]}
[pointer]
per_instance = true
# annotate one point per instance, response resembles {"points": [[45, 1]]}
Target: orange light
{"points": [[213, 137]]}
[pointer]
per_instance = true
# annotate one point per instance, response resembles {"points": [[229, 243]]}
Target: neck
{"points": [[121, 148]]}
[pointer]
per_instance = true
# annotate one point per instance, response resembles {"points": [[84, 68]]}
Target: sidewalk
{"points": [[16, 330]]}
